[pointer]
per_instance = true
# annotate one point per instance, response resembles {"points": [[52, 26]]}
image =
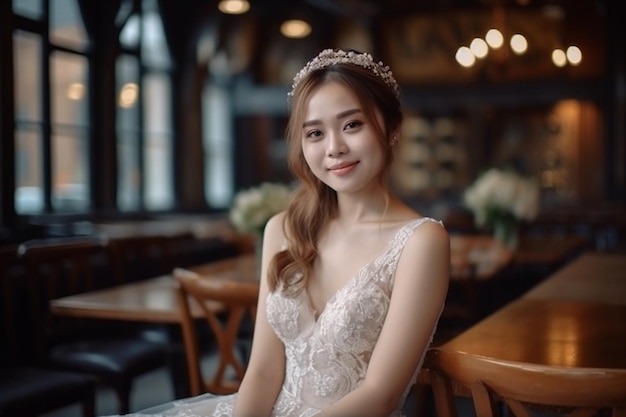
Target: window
{"points": [[70, 132], [53, 128], [219, 181], [144, 121], [51, 110], [28, 123]]}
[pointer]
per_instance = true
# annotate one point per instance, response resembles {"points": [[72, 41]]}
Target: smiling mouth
{"points": [[343, 168]]}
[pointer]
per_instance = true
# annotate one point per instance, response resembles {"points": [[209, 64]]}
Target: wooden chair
{"points": [[136, 258], [522, 388], [65, 266], [224, 304], [27, 390]]}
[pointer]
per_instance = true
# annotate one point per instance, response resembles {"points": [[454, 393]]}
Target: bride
{"points": [[353, 280]]}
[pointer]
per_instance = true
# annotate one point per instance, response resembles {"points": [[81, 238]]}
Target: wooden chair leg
{"points": [[423, 400]]}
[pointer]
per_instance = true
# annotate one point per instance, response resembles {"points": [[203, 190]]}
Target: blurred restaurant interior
{"points": [[144, 118], [137, 109]]}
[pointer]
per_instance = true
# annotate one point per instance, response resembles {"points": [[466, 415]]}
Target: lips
{"points": [[343, 167]]}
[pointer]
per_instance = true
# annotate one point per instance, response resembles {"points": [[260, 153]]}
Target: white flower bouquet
{"points": [[252, 208], [501, 198]]}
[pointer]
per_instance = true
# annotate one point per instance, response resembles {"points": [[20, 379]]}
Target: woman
{"points": [[354, 279]]}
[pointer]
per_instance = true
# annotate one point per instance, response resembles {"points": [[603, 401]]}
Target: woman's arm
{"points": [[420, 288], [264, 375]]}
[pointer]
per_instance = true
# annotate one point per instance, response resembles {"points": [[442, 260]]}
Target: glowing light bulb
{"points": [[233, 6], [295, 28], [519, 44], [465, 57], [494, 38], [479, 48], [574, 55], [558, 58]]}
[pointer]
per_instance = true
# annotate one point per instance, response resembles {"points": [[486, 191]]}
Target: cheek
{"points": [[378, 154], [310, 153]]}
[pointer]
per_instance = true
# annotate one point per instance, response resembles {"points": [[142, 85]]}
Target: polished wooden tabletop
{"points": [[152, 300], [574, 319], [553, 333], [593, 277]]}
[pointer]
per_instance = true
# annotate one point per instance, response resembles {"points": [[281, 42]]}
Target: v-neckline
{"points": [[331, 300]]}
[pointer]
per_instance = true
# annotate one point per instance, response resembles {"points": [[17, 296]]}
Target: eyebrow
{"points": [[338, 117]]}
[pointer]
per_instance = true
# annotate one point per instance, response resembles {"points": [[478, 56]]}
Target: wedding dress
{"points": [[327, 356]]}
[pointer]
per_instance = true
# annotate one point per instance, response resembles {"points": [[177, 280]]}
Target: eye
{"points": [[354, 124], [313, 134]]}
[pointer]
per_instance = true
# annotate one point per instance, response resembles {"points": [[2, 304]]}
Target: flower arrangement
{"points": [[500, 199], [252, 208]]}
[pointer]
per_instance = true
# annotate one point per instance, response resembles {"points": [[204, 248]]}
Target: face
{"points": [[338, 143]]}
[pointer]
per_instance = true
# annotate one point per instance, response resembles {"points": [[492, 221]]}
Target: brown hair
{"points": [[314, 203]]}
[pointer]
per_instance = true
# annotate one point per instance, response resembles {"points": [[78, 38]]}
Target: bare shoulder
{"points": [[274, 234], [430, 231], [427, 248]]}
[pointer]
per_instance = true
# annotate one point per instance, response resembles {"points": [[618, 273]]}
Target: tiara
{"points": [[330, 57]]}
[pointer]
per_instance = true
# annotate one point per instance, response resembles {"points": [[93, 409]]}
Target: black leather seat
{"points": [[108, 351], [27, 391]]}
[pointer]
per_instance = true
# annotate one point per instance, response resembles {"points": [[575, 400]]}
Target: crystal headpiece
{"points": [[330, 57]]}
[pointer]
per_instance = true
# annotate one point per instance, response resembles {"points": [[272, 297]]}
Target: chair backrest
{"points": [[139, 257], [56, 268], [12, 294], [522, 387], [224, 304]]}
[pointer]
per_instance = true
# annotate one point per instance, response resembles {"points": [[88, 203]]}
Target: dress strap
{"points": [[401, 237]]}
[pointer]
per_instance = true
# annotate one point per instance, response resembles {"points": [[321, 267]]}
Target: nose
{"points": [[336, 145]]}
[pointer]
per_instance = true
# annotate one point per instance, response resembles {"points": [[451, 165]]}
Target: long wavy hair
{"points": [[314, 203]]}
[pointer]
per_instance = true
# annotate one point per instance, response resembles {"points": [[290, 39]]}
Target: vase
{"points": [[505, 232]]}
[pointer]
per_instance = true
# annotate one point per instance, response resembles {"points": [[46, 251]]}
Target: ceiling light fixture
{"points": [[494, 39], [572, 55], [295, 28], [233, 6]]}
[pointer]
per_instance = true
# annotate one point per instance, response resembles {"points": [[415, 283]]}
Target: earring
{"points": [[393, 140]]}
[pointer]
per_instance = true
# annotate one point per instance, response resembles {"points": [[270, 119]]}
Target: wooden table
{"points": [[574, 319], [152, 300], [595, 278], [546, 332]]}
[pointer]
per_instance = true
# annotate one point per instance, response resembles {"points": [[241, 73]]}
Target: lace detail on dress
{"points": [[326, 358]]}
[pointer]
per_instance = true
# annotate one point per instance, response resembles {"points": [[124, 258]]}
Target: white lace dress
{"points": [[325, 358]]}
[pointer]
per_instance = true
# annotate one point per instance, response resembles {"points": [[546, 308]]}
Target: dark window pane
{"points": [[158, 142], [27, 76], [153, 45], [70, 175], [128, 174], [66, 25], [129, 35], [127, 83], [69, 89], [28, 8], [28, 163], [217, 144]]}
